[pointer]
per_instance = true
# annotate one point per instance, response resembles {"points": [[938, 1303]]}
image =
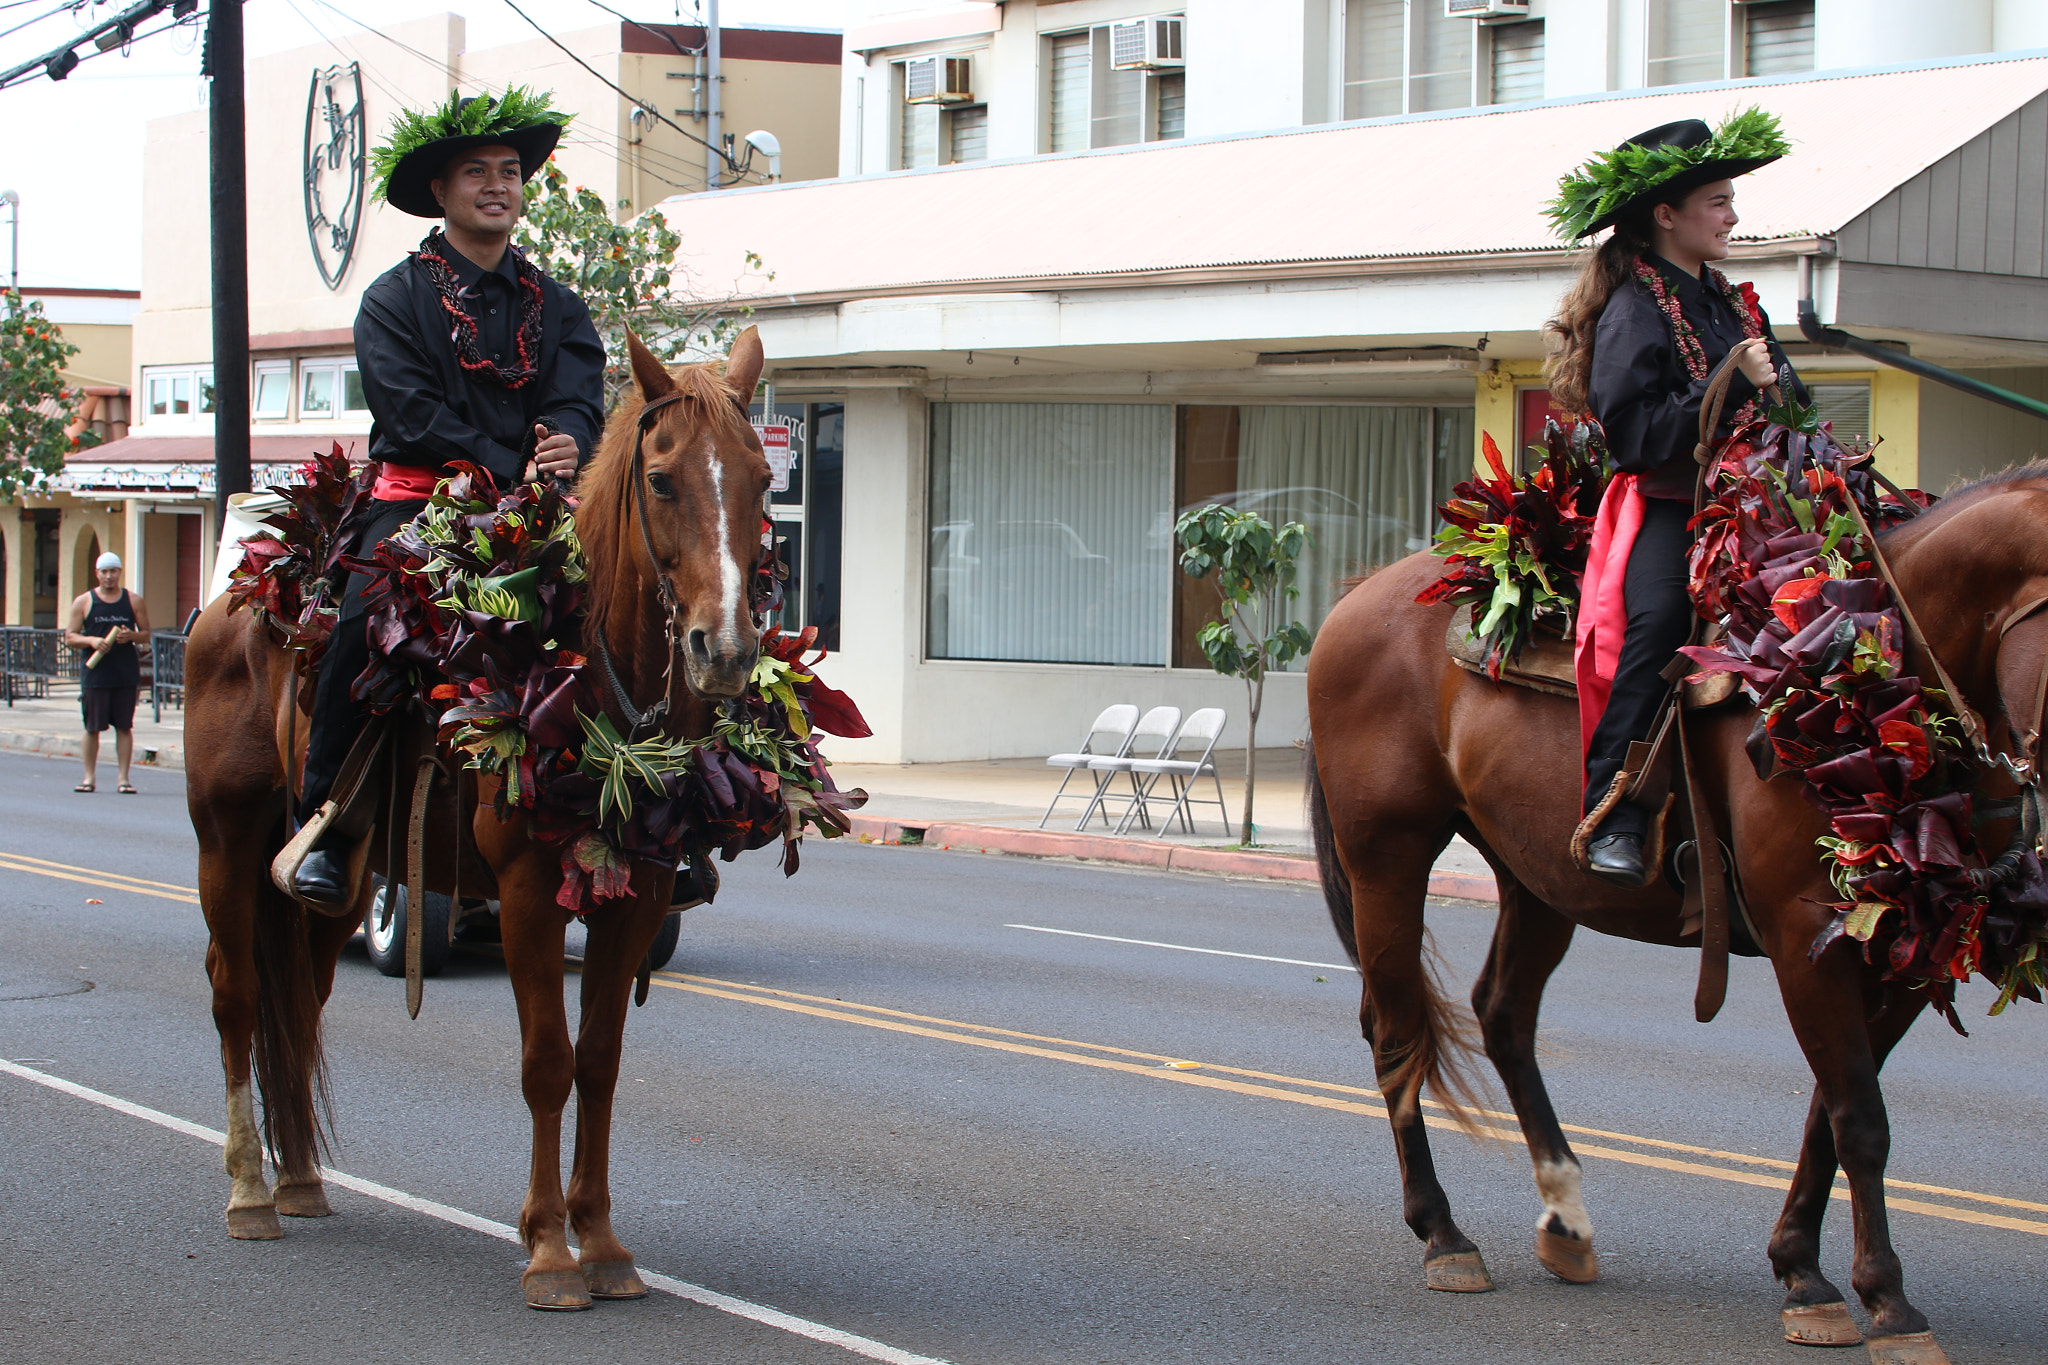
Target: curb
{"points": [[69, 746], [1041, 843]]}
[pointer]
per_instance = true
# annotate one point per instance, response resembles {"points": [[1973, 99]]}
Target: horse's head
{"points": [[680, 488]]}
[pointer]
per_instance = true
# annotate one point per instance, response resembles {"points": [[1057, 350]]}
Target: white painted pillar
{"points": [[134, 549], [882, 558]]}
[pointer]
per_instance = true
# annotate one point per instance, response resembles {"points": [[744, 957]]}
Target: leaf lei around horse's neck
{"points": [[1515, 546], [1818, 642], [475, 613], [282, 576]]}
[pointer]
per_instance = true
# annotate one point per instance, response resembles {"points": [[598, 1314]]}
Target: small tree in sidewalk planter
{"points": [[1252, 567]]}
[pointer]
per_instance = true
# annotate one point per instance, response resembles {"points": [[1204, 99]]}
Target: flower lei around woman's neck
{"points": [[475, 613], [462, 332], [1691, 350], [1818, 642]]}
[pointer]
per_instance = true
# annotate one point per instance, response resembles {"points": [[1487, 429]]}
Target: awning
{"points": [[184, 464], [1465, 184]]}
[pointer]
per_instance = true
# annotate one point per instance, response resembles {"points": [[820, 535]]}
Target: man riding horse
{"points": [[467, 353]]}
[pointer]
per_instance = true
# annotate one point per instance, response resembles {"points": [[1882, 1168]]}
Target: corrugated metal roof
{"points": [[1457, 184]]}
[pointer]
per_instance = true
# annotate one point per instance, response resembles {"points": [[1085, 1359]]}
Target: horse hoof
{"points": [[1458, 1272], [257, 1223], [304, 1201], [555, 1291], [1821, 1324], [1569, 1258], [613, 1280], [1907, 1348]]}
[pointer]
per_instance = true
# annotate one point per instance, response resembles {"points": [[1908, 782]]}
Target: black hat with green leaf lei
{"points": [[420, 145], [1660, 166]]}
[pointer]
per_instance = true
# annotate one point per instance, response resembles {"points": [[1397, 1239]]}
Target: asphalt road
{"points": [[830, 1110]]}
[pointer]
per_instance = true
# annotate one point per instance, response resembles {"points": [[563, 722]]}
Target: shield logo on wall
{"points": [[333, 165]]}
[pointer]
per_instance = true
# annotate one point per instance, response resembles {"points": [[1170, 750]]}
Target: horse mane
{"points": [[606, 523]]}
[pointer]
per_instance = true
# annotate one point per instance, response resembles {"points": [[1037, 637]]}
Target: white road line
{"points": [[710, 1298], [1185, 948]]}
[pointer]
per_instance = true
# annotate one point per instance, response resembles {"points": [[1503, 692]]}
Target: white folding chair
{"points": [[1108, 734], [1203, 727], [1152, 739]]}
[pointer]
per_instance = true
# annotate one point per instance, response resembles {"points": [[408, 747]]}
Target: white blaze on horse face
{"points": [[1559, 1184], [730, 577]]}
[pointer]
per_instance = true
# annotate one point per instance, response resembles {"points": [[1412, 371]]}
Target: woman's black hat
{"points": [[1660, 165]]}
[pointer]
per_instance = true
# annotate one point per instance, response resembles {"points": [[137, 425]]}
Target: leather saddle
{"points": [[1545, 664]]}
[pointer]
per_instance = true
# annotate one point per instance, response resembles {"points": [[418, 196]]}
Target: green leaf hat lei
{"points": [[420, 142], [1606, 187]]}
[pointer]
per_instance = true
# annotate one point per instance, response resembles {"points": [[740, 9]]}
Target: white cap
{"points": [[109, 560]]}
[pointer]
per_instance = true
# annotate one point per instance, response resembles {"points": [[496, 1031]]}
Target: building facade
{"points": [[1093, 262], [316, 240]]}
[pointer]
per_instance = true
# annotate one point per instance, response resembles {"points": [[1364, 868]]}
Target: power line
{"points": [[60, 61], [30, 23]]}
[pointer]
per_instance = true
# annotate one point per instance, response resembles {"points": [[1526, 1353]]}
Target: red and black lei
{"points": [[462, 332]]}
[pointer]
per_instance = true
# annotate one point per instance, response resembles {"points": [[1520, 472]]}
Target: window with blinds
{"points": [[1067, 111], [1777, 37], [1518, 62], [1688, 41], [1091, 103], [1847, 405], [967, 133], [1405, 57]]}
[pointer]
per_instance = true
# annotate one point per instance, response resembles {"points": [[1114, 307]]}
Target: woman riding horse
{"points": [[1639, 332]]}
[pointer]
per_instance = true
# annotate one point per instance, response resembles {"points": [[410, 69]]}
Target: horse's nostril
{"points": [[700, 648]]}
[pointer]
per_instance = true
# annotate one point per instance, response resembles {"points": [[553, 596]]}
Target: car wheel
{"points": [[384, 934], [664, 946]]}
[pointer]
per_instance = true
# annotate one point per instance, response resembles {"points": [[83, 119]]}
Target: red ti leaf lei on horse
{"points": [[1818, 642], [1514, 547], [283, 576]]}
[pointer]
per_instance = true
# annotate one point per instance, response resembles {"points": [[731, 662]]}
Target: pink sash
{"points": [[1603, 606]]}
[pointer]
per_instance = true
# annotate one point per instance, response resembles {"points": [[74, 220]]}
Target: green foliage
{"points": [[1612, 178], [1253, 567], [624, 272], [34, 402], [619, 765], [462, 116]]}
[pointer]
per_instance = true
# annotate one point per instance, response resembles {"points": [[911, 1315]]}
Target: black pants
{"points": [[1660, 617], [337, 718]]}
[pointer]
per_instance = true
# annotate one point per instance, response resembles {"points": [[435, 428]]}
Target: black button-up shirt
{"points": [[1647, 401], [428, 411]]}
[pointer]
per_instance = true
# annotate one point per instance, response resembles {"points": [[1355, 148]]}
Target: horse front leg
{"points": [[1814, 1313], [620, 934], [1826, 1004], [533, 929], [1529, 940]]}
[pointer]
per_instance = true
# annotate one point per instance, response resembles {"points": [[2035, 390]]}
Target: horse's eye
{"points": [[663, 489]]}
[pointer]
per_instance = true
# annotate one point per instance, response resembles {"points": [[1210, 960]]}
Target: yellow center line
{"points": [[1157, 1067], [900, 1021]]}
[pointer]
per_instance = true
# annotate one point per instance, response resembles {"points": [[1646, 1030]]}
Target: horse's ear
{"points": [[744, 363], [650, 374]]}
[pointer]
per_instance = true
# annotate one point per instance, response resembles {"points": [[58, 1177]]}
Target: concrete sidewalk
{"points": [[992, 806]]}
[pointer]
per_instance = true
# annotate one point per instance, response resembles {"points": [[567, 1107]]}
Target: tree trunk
{"points": [[1256, 690]]}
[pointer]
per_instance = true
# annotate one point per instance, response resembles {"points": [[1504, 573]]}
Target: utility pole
{"points": [[714, 158], [13, 203], [227, 144]]}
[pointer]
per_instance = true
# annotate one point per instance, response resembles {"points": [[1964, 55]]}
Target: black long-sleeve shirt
{"points": [[1646, 400], [428, 411]]}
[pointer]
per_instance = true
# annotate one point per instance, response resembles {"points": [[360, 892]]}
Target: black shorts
{"points": [[104, 706]]}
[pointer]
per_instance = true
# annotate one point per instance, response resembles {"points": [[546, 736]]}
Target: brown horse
{"points": [[694, 518], [1410, 749]]}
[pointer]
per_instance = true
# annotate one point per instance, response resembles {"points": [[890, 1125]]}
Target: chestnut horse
{"points": [[694, 518], [1411, 749]]}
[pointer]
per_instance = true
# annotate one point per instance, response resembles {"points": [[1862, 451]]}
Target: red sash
{"points": [[404, 482], [1603, 605]]}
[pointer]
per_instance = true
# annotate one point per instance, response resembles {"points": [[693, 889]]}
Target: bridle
{"points": [[644, 723]]}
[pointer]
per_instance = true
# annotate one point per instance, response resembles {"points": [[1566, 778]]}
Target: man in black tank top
{"points": [[106, 623]]}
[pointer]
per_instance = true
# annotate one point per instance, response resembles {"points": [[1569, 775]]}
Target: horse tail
{"points": [[1336, 881], [291, 1063], [1445, 1043]]}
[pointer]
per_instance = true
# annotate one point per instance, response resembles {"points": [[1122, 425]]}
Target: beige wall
{"points": [[796, 101], [103, 353], [1963, 437]]}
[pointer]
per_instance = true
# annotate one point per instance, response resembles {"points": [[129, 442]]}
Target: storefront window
{"points": [[1365, 481], [1051, 537]]}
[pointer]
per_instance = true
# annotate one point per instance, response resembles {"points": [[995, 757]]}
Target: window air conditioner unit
{"points": [[1486, 9], [938, 80], [1147, 45]]}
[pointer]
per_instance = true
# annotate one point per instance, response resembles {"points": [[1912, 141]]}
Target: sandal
{"points": [[126, 790], [84, 787]]}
